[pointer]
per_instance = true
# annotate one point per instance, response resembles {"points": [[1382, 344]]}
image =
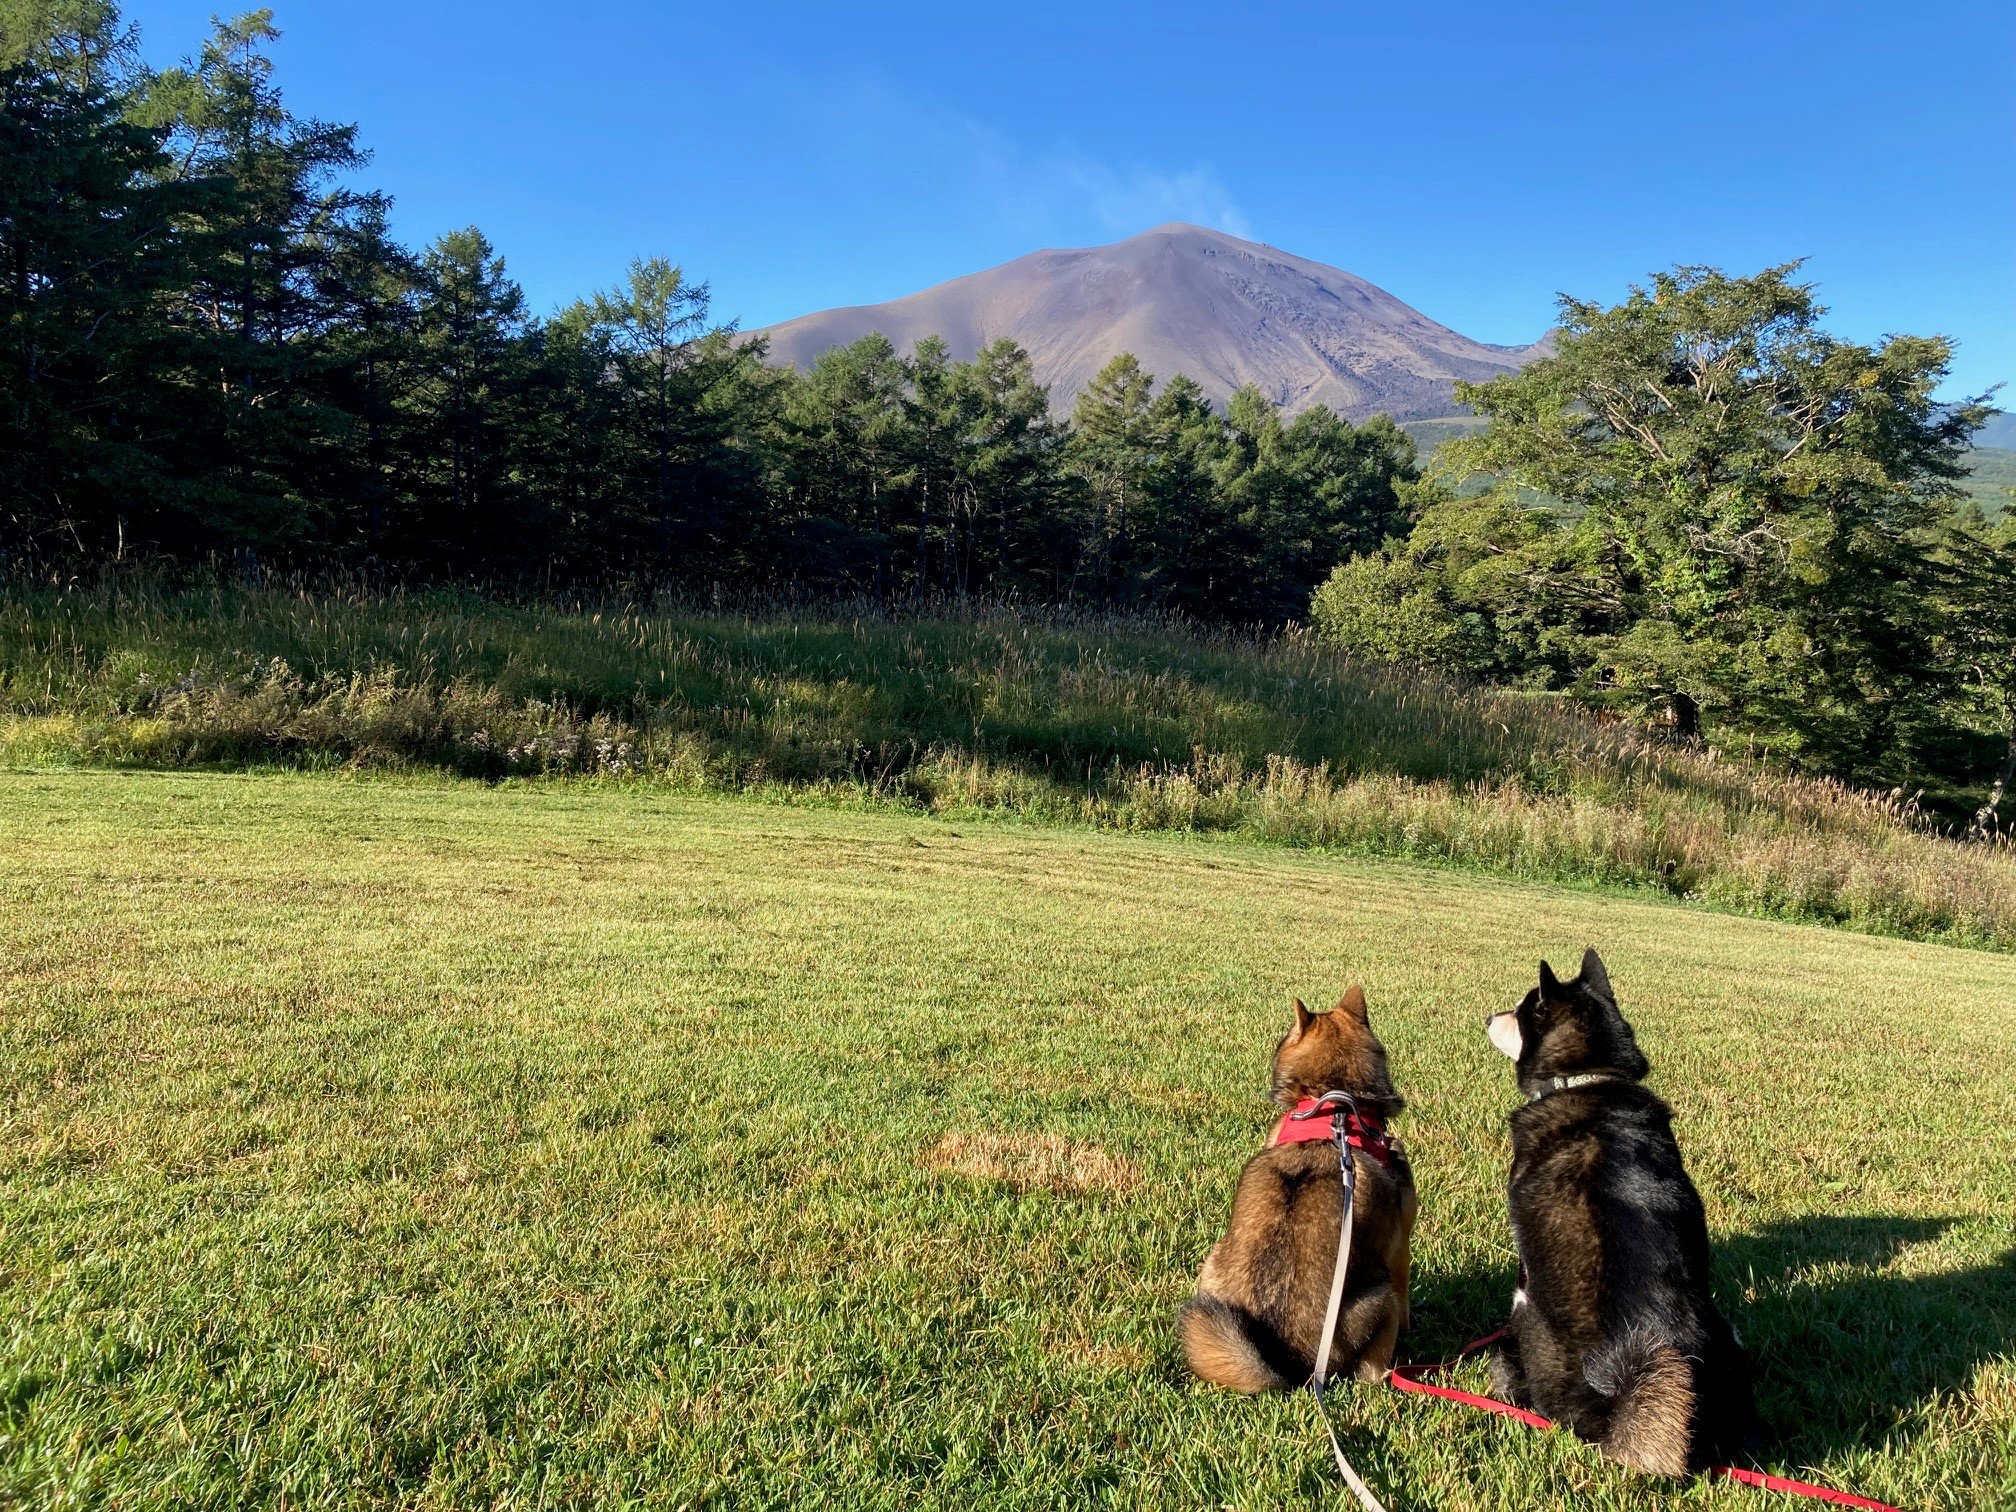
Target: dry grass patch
{"points": [[1094, 1354], [1031, 1161]]}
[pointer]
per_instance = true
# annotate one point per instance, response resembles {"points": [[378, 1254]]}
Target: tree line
{"points": [[215, 349]]}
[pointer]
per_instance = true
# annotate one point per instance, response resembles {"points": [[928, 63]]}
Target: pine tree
{"points": [[1110, 452], [87, 257], [369, 286], [465, 410], [266, 206], [844, 445], [652, 322]]}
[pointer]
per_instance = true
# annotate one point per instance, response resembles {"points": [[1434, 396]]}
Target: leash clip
{"points": [[1328, 1103]]}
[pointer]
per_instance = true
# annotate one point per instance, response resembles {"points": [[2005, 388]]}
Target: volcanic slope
{"points": [[1184, 299]]}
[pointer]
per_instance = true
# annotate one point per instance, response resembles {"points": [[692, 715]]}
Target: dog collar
{"points": [[1580, 1079], [1312, 1119]]}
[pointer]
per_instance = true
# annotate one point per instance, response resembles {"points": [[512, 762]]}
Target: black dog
{"points": [[1613, 1331]]}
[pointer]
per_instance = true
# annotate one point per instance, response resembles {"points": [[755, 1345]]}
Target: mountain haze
{"points": [[1999, 432], [1184, 299]]}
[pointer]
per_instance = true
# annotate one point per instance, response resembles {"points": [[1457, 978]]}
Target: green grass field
{"points": [[394, 1143]]}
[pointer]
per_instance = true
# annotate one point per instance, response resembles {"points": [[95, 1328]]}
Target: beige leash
{"points": [[1358, 1487]]}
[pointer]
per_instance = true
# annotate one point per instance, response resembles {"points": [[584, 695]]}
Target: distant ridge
{"points": [[1184, 299], [1999, 432]]}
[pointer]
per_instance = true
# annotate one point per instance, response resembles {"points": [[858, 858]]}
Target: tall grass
{"points": [[1118, 722]]}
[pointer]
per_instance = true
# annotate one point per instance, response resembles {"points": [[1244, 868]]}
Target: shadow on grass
{"points": [[1847, 1343]]}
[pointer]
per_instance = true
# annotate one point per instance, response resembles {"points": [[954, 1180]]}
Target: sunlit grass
{"points": [[385, 1143], [1111, 722]]}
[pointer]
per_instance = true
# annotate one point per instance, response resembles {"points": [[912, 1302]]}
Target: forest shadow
{"points": [[1845, 1347]]}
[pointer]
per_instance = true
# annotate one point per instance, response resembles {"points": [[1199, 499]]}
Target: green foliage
{"points": [[1974, 611], [465, 408], [1454, 593], [653, 323], [1389, 607], [1233, 515], [1991, 479], [1742, 510], [87, 215]]}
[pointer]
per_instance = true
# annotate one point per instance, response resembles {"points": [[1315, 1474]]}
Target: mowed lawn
{"points": [[372, 1143]]}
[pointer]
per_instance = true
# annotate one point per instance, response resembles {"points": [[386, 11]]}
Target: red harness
{"points": [[1312, 1120]]}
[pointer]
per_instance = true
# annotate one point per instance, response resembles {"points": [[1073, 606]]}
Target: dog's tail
{"points": [[1220, 1350], [1651, 1389]]}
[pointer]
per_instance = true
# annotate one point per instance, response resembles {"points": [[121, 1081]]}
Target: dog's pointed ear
{"points": [[1593, 974], [1353, 1003], [1550, 984], [1303, 1019]]}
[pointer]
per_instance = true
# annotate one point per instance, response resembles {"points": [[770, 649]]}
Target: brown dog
{"points": [[1257, 1319]]}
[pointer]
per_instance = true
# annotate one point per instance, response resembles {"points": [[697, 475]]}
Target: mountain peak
{"points": [[1185, 228], [1222, 309]]}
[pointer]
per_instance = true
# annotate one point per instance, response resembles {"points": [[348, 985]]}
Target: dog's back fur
{"points": [[1613, 1331], [1257, 1319]]}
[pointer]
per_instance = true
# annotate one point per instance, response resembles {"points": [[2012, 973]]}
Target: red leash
{"points": [[1411, 1378], [1408, 1378]]}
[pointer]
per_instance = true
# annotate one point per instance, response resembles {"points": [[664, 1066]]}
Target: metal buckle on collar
{"points": [[1567, 1083]]}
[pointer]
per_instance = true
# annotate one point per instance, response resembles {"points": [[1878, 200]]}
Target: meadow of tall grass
{"points": [[1117, 722]]}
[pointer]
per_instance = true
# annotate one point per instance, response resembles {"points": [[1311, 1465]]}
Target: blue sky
{"points": [[1472, 159]]}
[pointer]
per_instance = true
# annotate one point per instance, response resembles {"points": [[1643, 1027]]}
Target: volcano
{"points": [[1184, 299]]}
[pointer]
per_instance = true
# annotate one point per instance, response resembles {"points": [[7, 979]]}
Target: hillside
{"points": [[1185, 300], [1075, 719], [1999, 433], [1991, 477]]}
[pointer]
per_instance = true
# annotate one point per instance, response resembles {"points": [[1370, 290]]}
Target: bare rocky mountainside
{"points": [[1185, 300]]}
